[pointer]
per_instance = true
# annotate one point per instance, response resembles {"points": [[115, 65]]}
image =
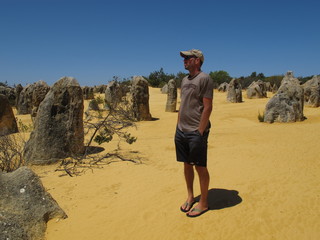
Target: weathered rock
{"points": [[112, 95], [58, 131], [31, 96], [25, 100], [287, 104], [274, 88], [8, 122], [164, 89], [257, 89], [3, 90], [100, 89], [140, 99], [234, 94], [171, 96], [223, 87], [268, 87], [39, 91], [18, 90], [312, 92], [25, 206], [88, 93], [10, 93]]}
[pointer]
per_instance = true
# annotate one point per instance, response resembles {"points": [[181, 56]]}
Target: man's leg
{"points": [[189, 177], [204, 179]]}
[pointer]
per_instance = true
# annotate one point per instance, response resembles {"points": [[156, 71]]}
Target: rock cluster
{"points": [[8, 122], [58, 130], [140, 99], [112, 95], [274, 88], [234, 94], [164, 89], [88, 93], [257, 89], [10, 93], [223, 87], [171, 96], [25, 206], [312, 92], [99, 89], [287, 104], [31, 96]]}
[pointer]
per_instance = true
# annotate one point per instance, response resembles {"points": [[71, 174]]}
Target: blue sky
{"points": [[95, 40]]}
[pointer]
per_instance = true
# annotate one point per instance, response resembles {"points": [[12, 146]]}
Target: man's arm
{"points": [[207, 109]]}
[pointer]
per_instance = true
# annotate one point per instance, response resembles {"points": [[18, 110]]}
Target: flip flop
{"points": [[200, 212], [187, 208]]}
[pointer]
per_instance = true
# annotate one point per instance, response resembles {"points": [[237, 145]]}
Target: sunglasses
{"points": [[189, 57]]}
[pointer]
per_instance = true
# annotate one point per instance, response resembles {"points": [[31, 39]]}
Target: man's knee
{"points": [[201, 170], [188, 165]]}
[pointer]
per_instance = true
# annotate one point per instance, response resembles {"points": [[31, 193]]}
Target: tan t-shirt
{"points": [[193, 90]]}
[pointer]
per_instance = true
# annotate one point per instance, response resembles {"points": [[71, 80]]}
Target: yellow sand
{"points": [[273, 167]]}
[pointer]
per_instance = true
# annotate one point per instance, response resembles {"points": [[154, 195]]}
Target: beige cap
{"points": [[193, 52]]}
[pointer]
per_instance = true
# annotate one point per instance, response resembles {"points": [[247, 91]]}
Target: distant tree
{"points": [[253, 75], [122, 81], [219, 77], [304, 79], [159, 78], [261, 76], [275, 79], [246, 81]]}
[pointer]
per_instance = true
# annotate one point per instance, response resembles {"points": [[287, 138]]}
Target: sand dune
{"points": [[264, 182]]}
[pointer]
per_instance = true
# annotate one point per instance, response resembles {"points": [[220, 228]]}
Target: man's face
{"points": [[189, 62]]}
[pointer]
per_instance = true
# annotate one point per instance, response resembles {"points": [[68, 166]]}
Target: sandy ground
{"points": [[265, 182]]}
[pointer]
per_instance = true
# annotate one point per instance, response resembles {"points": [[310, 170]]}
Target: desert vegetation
{"points": [[159, 78]]}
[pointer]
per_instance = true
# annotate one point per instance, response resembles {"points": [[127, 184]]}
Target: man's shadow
{"points": [[221, 198]]}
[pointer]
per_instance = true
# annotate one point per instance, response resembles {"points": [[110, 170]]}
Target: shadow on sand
{"points": [[94, 150], [222, 198]]}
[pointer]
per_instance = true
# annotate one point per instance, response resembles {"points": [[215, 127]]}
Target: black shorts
{"points": [[191, 147]]}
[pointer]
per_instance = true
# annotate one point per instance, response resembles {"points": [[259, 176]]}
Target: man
{"points": [[193, 129]]}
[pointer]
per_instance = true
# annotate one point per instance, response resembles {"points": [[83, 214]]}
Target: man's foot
{"points": [[187, 206], [196, 212]]}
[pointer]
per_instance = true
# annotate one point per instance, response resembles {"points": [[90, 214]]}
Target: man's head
{"points": [[192, 59], [193, 53]]}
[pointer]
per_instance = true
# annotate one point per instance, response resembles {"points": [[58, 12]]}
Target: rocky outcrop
{"points": [[10, 93], [312, 92], [24, 105], [17, 91], [88, 93], [25, 206], [99, 89], [274, 88], [39, 91], [31, 96], [112, 95], [268, 86], [8, 122], [171, 96], [234, 94], [287, 104], [164, 89], [223, 87], [58, 130], [140, 99], [257, 89]]}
